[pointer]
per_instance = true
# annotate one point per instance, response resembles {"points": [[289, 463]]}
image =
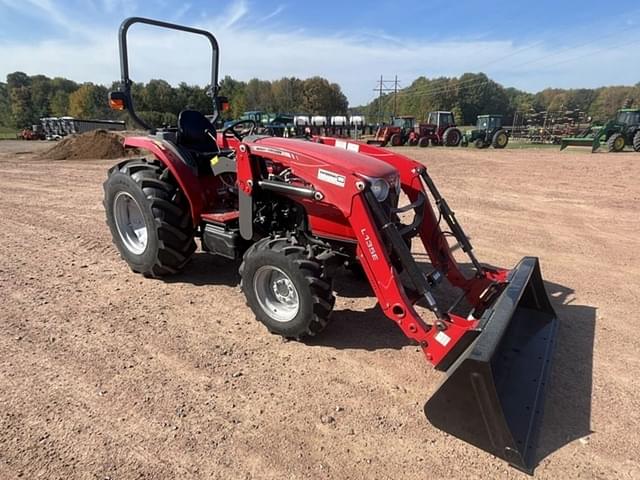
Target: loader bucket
{"points": [[493, 394], [579, 142]]}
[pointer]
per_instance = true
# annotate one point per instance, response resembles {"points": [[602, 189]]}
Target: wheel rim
{"points": [[130, 223], [276, 293], [502, 139], [619, 143]]}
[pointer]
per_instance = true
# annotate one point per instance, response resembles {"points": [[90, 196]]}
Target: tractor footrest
{"points": [[222, 217]]}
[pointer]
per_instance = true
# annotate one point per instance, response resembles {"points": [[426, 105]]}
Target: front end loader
{"points": [[296, 212], [622, 131]]}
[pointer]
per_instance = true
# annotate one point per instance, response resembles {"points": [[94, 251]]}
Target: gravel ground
{"points": [[105, 374]]}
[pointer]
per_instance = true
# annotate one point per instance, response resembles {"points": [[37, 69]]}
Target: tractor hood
{"points": [[308, 154]]}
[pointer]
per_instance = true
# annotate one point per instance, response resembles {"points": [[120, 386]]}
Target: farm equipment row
{"points": [[297, 211]]}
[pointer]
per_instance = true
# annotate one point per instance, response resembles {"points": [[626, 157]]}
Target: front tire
{"points": [[286, 288], [423, 142], [616, 142], [636, 141], [149, 218]]}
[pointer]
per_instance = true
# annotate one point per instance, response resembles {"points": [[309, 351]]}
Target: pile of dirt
{"points": [[98, 144]]}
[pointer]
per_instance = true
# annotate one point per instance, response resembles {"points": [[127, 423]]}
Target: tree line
{"points": [[473, 94], [25, 99]]}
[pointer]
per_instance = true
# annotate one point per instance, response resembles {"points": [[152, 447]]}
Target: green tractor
{"points": [[617, 133], [488, 132]]}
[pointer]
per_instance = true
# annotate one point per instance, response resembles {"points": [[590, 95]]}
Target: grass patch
{"points": [[7, 133]]}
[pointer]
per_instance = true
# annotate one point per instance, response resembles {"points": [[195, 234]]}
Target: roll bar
{"points": [[124, 94]]}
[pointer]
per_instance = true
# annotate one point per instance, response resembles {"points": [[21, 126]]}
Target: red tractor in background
{"points": [[294, 212], [34, 133], [440, 129], [402, 130]]}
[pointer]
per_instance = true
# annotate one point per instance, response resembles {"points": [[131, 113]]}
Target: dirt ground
{"points": [[107, 375]]}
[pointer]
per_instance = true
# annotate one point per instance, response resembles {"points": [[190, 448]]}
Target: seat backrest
{"points": [[192, 132]]}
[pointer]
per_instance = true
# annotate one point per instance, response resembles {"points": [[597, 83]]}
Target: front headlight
{"points": [[380, 189]]}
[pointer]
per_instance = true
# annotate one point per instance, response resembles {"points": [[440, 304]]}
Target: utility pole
{"points": [[382, 87], [395, 96]]}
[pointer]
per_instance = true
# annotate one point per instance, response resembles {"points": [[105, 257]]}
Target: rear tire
{"points": [[616, 142], [396, 140], [423, 142], [636, 141], [286, 288], [149, 218], [500, 139], [452, 137]]}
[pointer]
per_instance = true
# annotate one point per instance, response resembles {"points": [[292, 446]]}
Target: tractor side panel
{"points": [[187, 180], [327, 221]]}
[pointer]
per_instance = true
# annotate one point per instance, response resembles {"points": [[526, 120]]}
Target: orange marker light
{"points": [[116, 103]]}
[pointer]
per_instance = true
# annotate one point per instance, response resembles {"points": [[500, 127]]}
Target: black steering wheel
{"points": [[231, 128]]}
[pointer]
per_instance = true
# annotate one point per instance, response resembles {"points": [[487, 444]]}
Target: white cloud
{"points": [[273, 14], [237, 11], [354, 61]]}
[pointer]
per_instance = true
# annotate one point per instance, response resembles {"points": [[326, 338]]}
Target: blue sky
{"points": [[529, 45]]}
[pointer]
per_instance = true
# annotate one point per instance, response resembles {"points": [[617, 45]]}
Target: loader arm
{"points": [[497, 360], [416, 183]]}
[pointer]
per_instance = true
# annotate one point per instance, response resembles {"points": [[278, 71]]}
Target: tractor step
{"points": [[222, 217]]}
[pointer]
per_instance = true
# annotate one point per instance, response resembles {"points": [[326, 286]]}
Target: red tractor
{"points": [[402, 130], [30, 134], [441, 129], [295, 212]]}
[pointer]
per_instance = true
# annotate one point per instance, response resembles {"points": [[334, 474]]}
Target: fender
{"points": [[187, 180]]}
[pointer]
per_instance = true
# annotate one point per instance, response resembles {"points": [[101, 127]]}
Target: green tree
{"points": [[323, 98], [59, 104], [159, 96], [17, 80], [5, 106], [22, 113], [234, 90], [288, 94], [478, 95], [89, 101], [608, 101], [258, 95]]}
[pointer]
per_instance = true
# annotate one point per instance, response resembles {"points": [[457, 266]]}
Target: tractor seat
{"points": [[192, 133]]}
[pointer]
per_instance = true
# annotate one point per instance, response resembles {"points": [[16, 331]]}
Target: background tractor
{"points": [[402, 130], [441, 129], [622, 131], [295, 212], [488, 132]]}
